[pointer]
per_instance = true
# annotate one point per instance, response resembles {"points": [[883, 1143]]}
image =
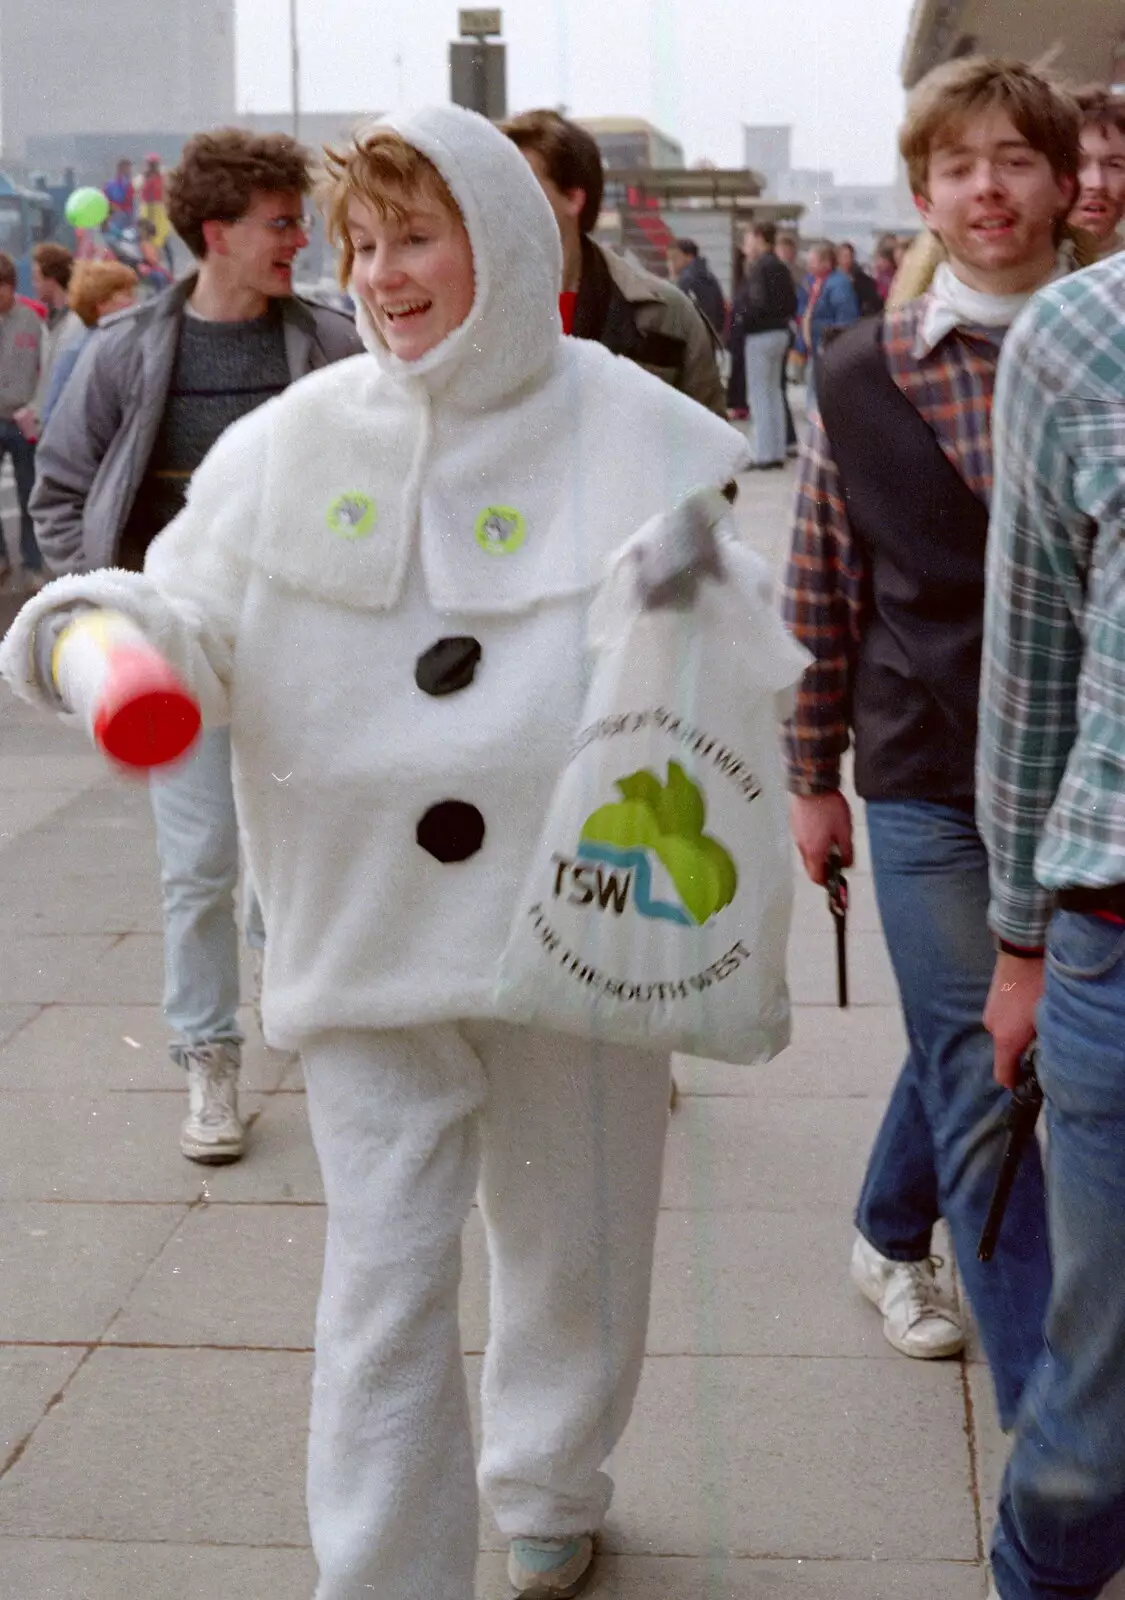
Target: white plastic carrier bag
{"points": [[656, 909]]}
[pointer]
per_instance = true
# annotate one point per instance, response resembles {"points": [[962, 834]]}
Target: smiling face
{"points": [[414, 274], [995, 203], [1101, 181]]}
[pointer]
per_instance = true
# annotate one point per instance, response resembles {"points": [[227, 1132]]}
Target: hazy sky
{"points": [[697, 68]]}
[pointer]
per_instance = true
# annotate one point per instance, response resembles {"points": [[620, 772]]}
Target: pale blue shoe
{"points": [[550, 1569]]}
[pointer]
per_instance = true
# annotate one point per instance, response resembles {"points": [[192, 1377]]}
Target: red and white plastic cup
{"points": [[133, 705]]}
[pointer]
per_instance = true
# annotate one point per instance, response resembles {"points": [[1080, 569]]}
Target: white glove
{"points": [[679, 550]]}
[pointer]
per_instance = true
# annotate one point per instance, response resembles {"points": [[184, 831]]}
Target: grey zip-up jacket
{"points": [[96, 446]]}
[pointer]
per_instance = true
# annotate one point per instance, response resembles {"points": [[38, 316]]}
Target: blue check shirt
{"points": [[1051, 753]]}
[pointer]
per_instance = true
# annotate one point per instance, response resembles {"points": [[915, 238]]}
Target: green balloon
{"points": [[87, 208]]}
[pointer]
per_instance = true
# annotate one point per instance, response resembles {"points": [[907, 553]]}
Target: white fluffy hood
{"points": [[513, 330]]}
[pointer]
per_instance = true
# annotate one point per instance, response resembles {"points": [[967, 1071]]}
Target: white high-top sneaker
{"points": [[916, 1320], [212, 1131]]}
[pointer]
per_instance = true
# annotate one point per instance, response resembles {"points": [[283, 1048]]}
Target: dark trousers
{"points": [[13, 443], [790, 430]]}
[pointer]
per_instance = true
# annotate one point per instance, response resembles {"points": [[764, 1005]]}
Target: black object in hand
{"points": [[1023, 1114], [837, 886]]}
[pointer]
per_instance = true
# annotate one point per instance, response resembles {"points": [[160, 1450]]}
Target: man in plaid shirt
{"points": [[886, 589], [1052, 813]]}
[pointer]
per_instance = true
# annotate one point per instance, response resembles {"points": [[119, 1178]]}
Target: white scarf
{"points": [[953, 304]]}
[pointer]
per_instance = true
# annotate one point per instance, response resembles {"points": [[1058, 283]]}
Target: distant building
{"points": [[107, 78], [632, 142], [768, 148], [859, 212], [651, 198]]}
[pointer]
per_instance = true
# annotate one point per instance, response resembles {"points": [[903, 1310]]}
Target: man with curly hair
{"points": [[150, 395]]}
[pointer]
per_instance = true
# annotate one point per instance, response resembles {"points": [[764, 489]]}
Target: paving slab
{"points": [[759, 1283], [191, 1446], [80, 1569], [108, 1147], [231, 1275], [29, 1379], [82, 769], [36, 735], [67, 1269], [13, 1019], [774, 1155], [24, 809], [91, 1048], [68, 849], [778, 1458], [685, 1578], [131, 970], [853, 1053], [759, 1456], [36, 969], [127, 902]]}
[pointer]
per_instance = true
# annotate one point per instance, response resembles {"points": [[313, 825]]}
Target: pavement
{"points": [[156, 1318]]}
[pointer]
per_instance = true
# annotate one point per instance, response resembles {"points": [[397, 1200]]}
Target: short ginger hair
{"points": [[220, 173], [1047, 116], [92, 283], [380, 168]]}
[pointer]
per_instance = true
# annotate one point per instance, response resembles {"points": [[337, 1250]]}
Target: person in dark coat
{"points": [[692, 274], [866, 289]]}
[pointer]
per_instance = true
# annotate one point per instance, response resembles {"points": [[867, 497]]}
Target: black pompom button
{"points": [[451, 831], [447, 666]]}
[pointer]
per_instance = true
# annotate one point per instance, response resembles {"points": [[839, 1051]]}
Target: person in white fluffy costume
{"points": [[382, 579]]}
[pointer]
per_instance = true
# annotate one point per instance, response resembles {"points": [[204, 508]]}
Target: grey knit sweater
{"points": [[222, 371]]}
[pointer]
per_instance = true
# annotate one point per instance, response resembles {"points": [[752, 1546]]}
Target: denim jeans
{"points": [[765, 364], [197, 841], [13, 443], [940, 1144], [1062, 1510]]}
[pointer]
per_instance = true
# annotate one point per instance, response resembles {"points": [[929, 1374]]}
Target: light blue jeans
{"points": [[197, 841], [939, 1148], [765, 358], [1061, 1531]]}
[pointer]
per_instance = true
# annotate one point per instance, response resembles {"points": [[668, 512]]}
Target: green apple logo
{"points": [[668, 820]]}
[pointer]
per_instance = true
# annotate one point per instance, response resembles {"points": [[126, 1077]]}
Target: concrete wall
{"points": [[110, 66], [1084, 39]]}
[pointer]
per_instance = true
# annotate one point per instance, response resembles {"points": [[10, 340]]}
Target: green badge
{"points": [[500, 530], [352, 516]]}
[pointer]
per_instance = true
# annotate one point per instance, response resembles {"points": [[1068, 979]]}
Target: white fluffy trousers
{"points": [[565, 1138]]}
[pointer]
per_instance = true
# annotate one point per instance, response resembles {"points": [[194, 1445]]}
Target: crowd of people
{"points": [[285, 502]]}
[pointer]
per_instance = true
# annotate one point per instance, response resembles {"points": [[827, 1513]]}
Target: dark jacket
{"points": [[916, 674], [867, 293], [638, 315], [702, 287], [95, 449], [767, 298]]}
